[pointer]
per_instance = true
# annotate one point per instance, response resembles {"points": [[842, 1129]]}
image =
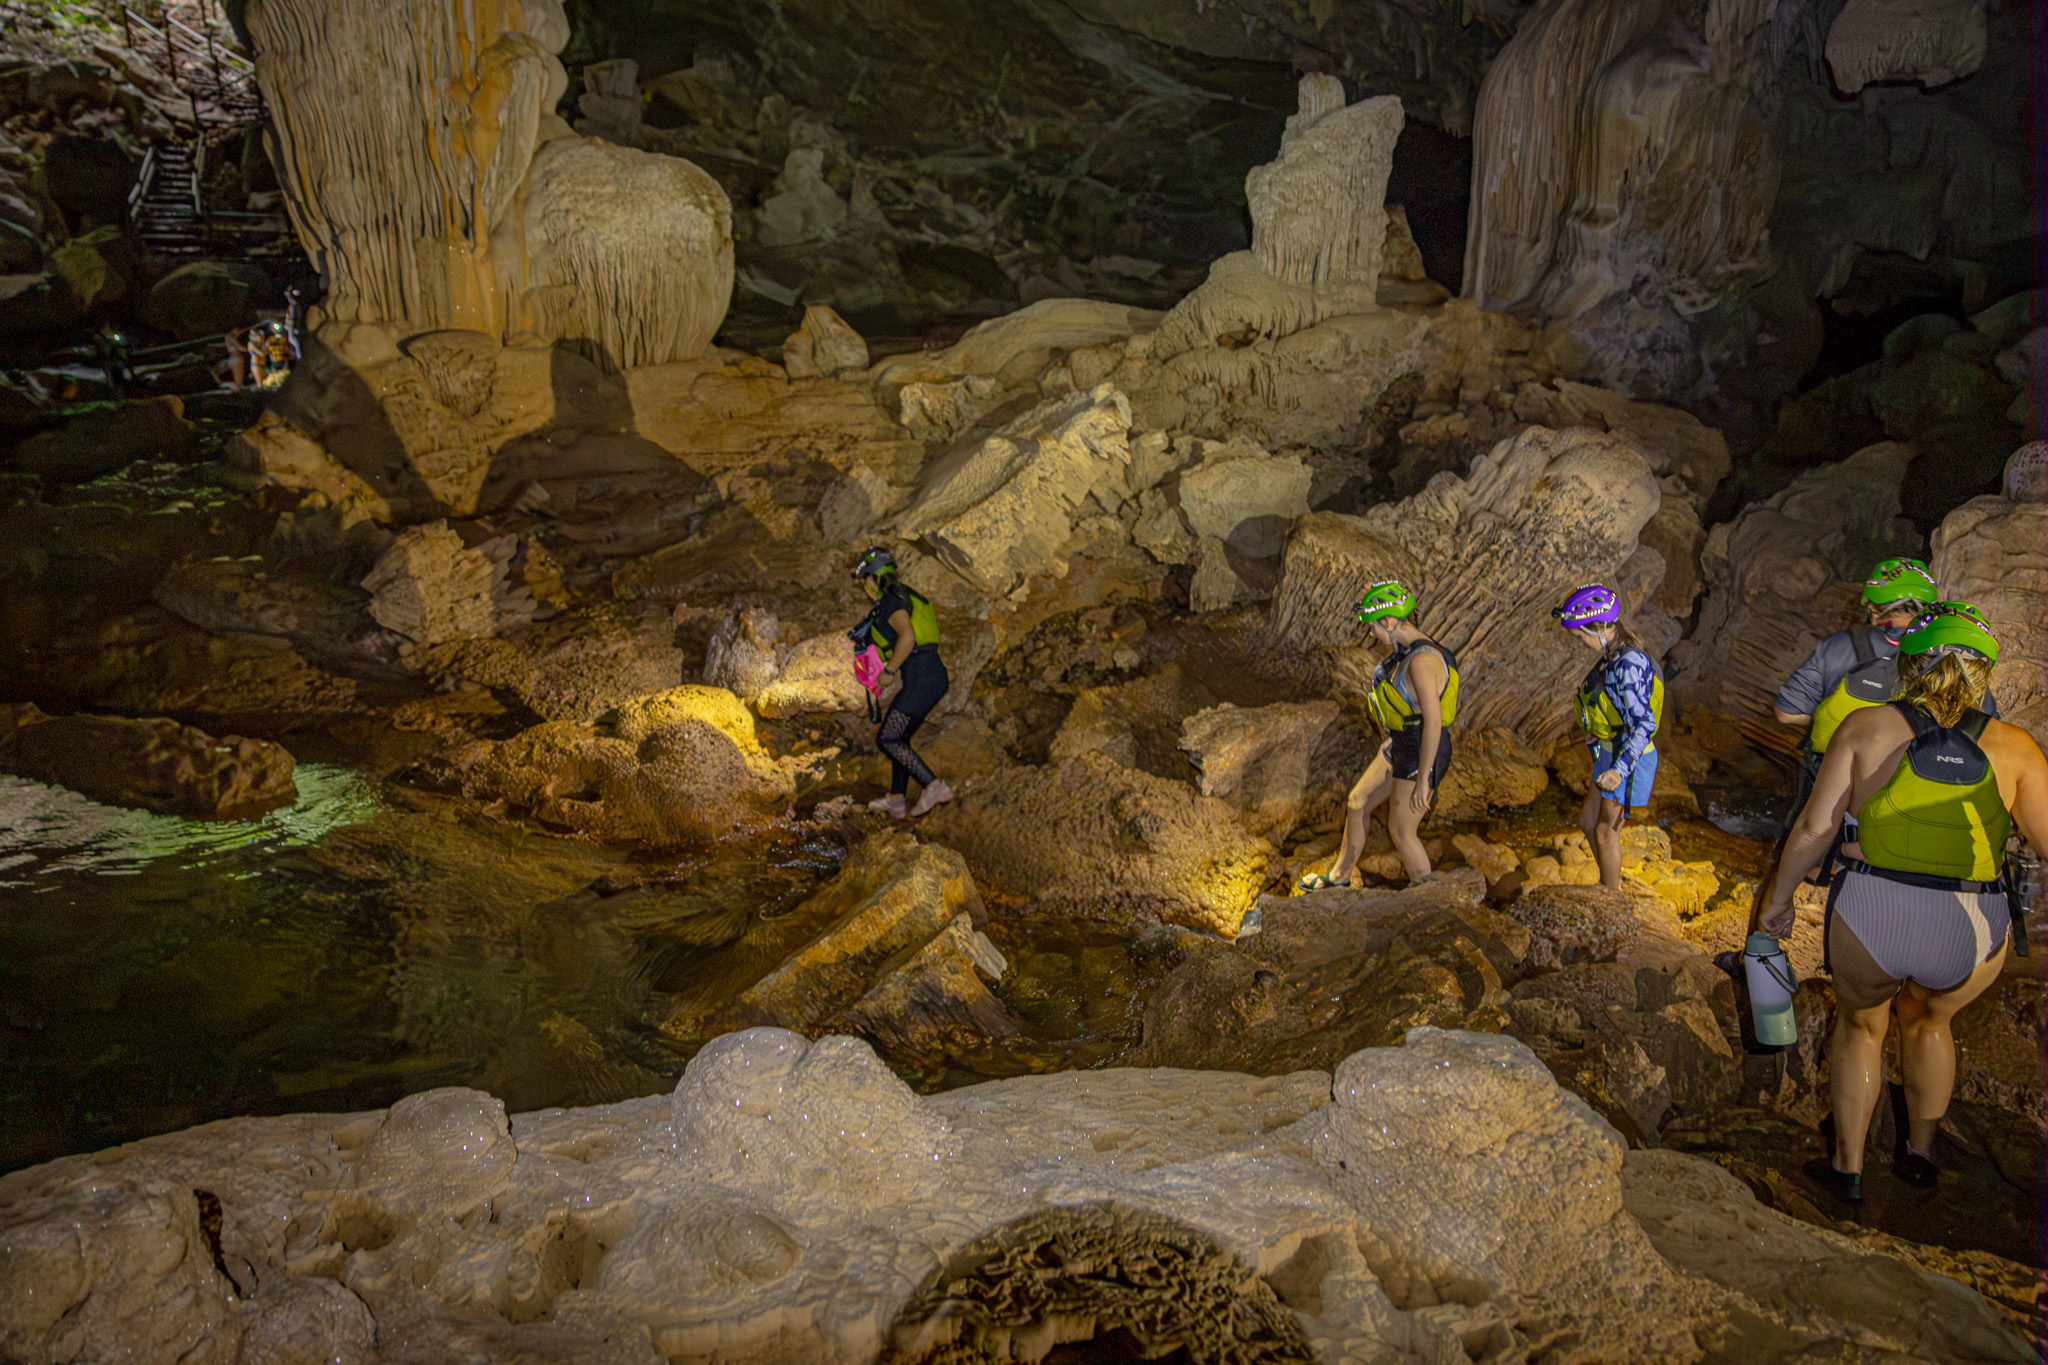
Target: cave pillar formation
{"points": [[433, 186], [1319, 224], [1623, 173]]}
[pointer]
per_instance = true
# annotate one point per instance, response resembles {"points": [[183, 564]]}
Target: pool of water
{"points": [[158, 972]]}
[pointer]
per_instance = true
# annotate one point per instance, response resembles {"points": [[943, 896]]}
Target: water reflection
{"points": [[46, 829]]}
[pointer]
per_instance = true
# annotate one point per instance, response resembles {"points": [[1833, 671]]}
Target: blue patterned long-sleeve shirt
{"points": [[1630, 680]]}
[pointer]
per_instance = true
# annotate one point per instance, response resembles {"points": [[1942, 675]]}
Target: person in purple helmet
{"points": [[1620, 703]]}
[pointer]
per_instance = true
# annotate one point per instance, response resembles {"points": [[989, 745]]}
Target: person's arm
{"points": [[1815, 830], [1426, 678], [2030, 791], [899, 621], [1632, 685], [1802, 693]]}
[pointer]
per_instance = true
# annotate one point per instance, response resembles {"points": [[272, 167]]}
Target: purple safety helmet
{"points": [[1590, 604]]}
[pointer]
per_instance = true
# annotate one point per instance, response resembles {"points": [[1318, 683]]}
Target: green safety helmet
{"points": [[1388, 597], [1899, 580], [1944, 631], [1963, 609], [875, 562]]}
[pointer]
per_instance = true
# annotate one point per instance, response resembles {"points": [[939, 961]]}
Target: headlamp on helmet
{"points": [[1590, 604], [1387, 598], [1898, 583]]}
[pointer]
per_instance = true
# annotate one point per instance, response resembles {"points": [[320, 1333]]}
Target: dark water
{"points": [[157, 972]]}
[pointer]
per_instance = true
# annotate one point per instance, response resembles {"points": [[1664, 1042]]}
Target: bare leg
{"points": [[1856, 1074], [1373, 787], [1927, 1052], [1606, 839], [1402, 822]]}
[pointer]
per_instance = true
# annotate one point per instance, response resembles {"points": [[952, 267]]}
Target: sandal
{"points": [[1317, 881]]}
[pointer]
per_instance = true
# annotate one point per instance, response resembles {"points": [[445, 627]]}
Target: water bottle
{"points": [[1771, 983]]}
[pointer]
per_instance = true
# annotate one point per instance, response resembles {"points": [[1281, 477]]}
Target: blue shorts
{"points": [[1642, 779]]}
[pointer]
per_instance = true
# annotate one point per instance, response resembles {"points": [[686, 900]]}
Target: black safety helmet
{"points": [[875, 562]]}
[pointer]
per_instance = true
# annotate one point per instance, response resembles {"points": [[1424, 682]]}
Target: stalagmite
{"points": [[1929, 41], [1318, 225], [429, 180]]}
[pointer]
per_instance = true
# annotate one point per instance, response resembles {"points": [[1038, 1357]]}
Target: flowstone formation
{"points": [[430, 178], [794, 1200]]}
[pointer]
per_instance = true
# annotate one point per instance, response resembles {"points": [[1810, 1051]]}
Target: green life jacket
{"points": [[1870, 682], [924, 622], [1599, 717], [1391, 701], [1941, 814]]}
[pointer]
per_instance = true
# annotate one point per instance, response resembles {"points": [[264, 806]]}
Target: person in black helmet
{"points": [[905, 631]]}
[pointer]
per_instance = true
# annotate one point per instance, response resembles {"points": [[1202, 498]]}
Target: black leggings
{"points": [[924, 683]]}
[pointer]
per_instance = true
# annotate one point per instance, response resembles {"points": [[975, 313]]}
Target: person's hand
{"points": [[1609, 780], [1419, 799], [1777, 916]]}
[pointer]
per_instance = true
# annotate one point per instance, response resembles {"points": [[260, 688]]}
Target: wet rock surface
{"points": [[157, 765]]}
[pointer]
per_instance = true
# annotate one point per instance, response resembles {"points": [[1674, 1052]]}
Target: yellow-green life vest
{"points": [[1391, 701], [924, 622], [1941, 814], [1870, 683], [1600, 718]]}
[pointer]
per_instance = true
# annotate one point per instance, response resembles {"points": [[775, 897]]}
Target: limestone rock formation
{"points": [[1001, 512], [100, 442], [1929, 41], [817, 676], [823, 346], [1992, 552], [156, 765], [741, 655], [1622, 176], [1330, 973], [450, 196], [431, 589], [680, 767], [895, 953], [1784, 575], [1092, 833], [1137, 724], [1488, 556], [1257, 759], [795, 1200], [1237, 493], [623, 251], [1317, 228]]}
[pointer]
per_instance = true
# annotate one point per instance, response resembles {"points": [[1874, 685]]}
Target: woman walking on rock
{"points": [[1917, 920], [1620, 703], [905, 631], [1414, 698]]}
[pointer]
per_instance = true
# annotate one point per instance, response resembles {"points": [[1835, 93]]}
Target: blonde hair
{"points": [[1622, 642], [1944, 686]]}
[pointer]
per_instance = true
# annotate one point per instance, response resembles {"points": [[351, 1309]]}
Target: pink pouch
{"points": [[867, 666]]}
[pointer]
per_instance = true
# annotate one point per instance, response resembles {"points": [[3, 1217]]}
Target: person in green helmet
{"points": [[1414, 699], [1855, 668], [1931, 789], [905, 629]]}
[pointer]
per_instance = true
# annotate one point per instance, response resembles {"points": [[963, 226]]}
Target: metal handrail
{"points": [[211, 48], [144, 178]]}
